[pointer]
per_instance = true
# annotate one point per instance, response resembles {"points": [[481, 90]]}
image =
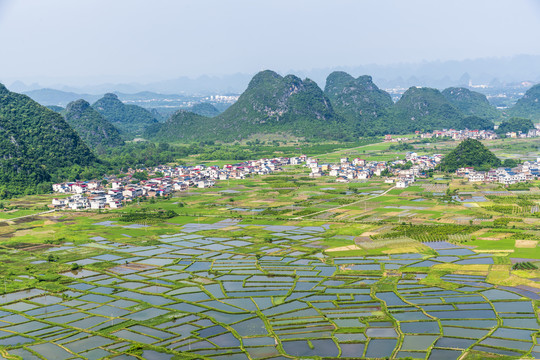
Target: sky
{"points": [[96, 41]]}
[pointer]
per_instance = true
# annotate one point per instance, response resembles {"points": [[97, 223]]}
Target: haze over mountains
{"points": [[438, 74]]}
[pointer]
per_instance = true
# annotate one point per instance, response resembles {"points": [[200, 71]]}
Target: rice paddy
{"points": [[204, 292], [278, 267]]}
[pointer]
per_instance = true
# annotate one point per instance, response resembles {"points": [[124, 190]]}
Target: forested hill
{"points": [[130, 119], [272, 104], [471, 103], [35, 144], [422, 109], [93, 128], [348, 108], [529, 105], [205, 109], [470, 153], [174, 129], [358, 100]]}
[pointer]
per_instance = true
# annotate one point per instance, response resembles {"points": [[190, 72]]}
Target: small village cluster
{"points": [[460, 134], [467, 134], [476, 134], [112, 192], [402, 172], [527, 171]]}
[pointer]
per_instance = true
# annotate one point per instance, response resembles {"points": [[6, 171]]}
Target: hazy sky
{"points": [[141, 40]]}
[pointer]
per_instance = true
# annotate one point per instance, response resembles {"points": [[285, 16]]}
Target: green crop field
{"points": [[278, 266]]}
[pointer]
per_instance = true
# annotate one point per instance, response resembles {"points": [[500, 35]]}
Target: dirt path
{"points": [[26, 216]]}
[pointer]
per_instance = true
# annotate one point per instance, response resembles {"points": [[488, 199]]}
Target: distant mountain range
{"points": [[348, 108], [62, 98]]}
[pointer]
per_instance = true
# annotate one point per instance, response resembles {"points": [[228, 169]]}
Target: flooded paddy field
{"points": [[211, 290]]}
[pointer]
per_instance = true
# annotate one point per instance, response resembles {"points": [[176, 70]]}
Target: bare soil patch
{"points": [[526, 243]]}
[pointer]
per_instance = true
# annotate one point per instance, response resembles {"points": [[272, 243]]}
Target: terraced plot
{"points": [[226, 297]]}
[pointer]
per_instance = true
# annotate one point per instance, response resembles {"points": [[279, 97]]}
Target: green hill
{"points": [[35, 145], [358, 100], [471, 103], [515, 124], [470, 153], [205, 109], [423, 109], [528, 106], [271, 104], [92, 128], [129, 119], [174, 129]]}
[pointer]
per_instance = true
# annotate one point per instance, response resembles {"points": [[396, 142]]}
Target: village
{"points": [[403, 172], [528, 171], [460, 135], [112, 192]]}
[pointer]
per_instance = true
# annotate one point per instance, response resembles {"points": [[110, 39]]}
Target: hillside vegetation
{"points": [[174, 129], [131, 120], [358, 100], [36, 145], [529, 105], [205, 109], [471, 103], [92, 128], [470, 153], [422, 109], [515, 124], [270, 104]]}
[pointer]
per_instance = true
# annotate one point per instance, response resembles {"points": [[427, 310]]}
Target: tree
{"points": [[140, 175]]}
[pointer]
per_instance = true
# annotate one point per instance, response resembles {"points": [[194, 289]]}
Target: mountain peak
{"points": [[35, 143], [131, 119], [471, 103], [93, 128], [110, 96], [359, 100], [270, 104], [77, 105], [264, 77]]}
